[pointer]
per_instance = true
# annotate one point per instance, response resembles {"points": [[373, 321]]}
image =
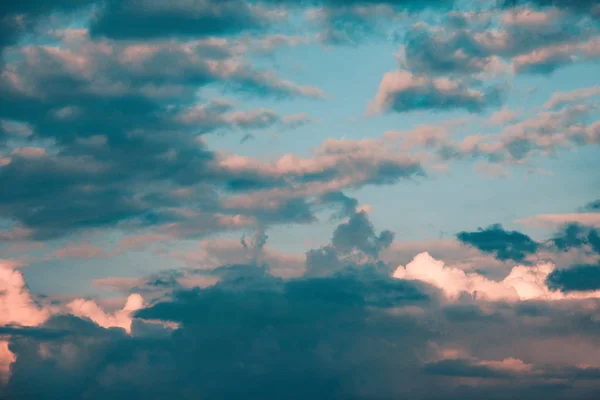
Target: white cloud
{"points": [[523, 282]]}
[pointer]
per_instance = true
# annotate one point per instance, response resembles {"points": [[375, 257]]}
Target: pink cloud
{"points": [[554, 220], [81, 250]]}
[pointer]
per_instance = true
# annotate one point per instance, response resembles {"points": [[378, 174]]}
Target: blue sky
{"points": [[407, 161]]}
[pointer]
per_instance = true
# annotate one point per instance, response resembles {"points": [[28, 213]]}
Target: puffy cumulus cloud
{"points": [[19, 309], [452, 251], [403, 91], [505, 245], [122, 318], [522, 283], [16, 302], [317, 336]]}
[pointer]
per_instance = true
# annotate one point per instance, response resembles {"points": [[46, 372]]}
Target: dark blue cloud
{"points": [[148, 19], [575, 278], [505, 245], [576, 236]]}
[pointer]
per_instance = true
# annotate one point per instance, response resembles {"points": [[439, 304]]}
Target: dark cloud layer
{"points": [[352, 332], [354, 335], [147, 19]]}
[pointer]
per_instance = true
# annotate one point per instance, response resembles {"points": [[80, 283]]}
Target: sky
{"points": [[328, 199]]}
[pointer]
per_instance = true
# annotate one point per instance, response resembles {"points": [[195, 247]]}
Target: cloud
{"points": [[331, 331], [458, 367], [576, 235], [127, 101], [584, 6], [532, 40], [19, 309], [575, 278], [16, 303], [147, 19], [554, 220], [505, 245], [332, 328], [290, 185], [522, 283], [79, 251], [560, 99], [122, 318], [593, 206], [354, 243], [402, 91], [516, 143], [22, 18]]}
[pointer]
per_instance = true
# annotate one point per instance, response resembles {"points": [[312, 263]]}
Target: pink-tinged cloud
{"points": [[560, 99], [402, 91], [81, 250], [16, 303], [18, 307], [551, 221], [6, 358], [523, 282], [122, 318]]}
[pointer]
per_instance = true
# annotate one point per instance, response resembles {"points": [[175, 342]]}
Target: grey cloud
{"points": [[354, 243], [314, 337], [117, 126]]}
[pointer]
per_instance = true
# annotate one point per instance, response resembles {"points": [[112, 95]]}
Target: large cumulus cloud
{"points": [[354, 332]]}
